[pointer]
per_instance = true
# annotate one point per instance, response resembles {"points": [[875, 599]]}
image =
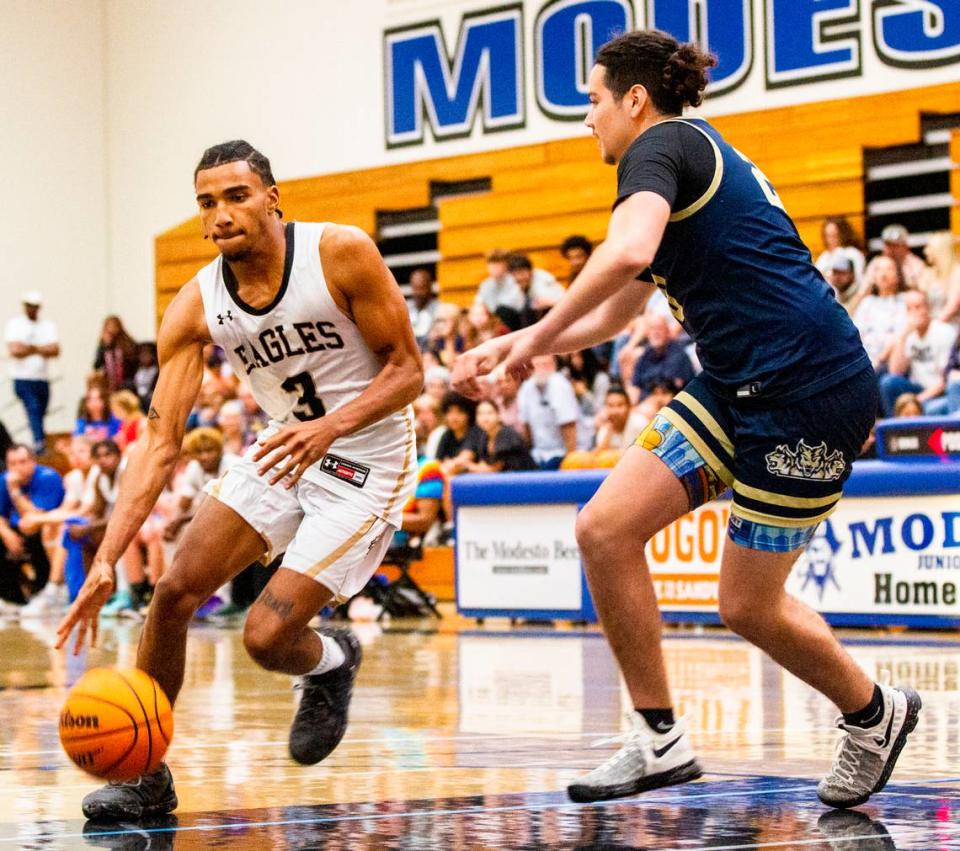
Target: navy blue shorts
{"points": [[785, 463]]}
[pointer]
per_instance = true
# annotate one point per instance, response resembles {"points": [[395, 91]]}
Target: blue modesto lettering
{"points": [[447, 86], [273, 345]]}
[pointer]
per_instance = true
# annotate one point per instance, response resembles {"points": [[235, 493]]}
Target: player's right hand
{"points": [[472, 365], [85, 611]]}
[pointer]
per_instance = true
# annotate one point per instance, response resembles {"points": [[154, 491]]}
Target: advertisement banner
{"points": [[518, 557]]}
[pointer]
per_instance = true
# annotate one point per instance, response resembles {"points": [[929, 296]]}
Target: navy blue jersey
{"points": [[734, 270]]}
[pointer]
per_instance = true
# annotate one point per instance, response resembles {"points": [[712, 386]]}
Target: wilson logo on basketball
{"points": [[69, 721]]}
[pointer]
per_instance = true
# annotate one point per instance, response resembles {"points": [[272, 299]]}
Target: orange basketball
{"points": [[116, 724]]}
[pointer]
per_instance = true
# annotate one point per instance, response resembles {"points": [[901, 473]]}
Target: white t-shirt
{"points": [[879, 319], [195, 478], [544, 288], [929, 354], [494, 292], [20, 329], [544, 408], [74, 485]]}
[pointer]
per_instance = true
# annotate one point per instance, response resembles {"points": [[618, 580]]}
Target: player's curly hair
{"points": [[673, 74]]}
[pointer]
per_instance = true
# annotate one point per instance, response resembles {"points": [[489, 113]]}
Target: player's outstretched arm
{"points": [[597, 326], [366, 291], [633, 236], [151, 459]]}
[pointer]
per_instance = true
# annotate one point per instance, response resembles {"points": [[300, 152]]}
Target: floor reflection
{"points": [[465, 738]]}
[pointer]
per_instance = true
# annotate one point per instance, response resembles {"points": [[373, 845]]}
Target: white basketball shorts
{"points": [[326, 536]]}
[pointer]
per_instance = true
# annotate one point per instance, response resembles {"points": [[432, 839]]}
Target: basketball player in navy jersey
{"points": [[784, 403], [311, 318]]}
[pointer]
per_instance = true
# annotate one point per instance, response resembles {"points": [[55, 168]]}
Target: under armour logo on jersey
{"points": [[221, 317]]}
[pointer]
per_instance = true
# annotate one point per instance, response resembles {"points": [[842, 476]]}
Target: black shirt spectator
{"points": [[502, 449]]}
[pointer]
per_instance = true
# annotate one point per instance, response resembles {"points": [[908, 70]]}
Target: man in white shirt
{"points": [[540, 289], [919, 356], [548, 413], [499, 289], [30, 343]]}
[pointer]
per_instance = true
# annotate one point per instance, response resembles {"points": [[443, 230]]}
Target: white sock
{"points": [[333, 656]]}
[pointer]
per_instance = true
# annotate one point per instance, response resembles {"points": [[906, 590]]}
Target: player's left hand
{"points": [[294, 448]]}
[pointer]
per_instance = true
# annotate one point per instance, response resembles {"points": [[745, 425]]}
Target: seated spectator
{"points": [[664, 361], [207, 407], [233, 428], [254, 416], [426, 411], [422, 305], [541, 291], [53, 596], [499, 289], [908, 405], [116, 358], [480, 325], [941, 280], [658, 397], [503, 391], [444, 341], [460, 443], [918, 358], [145, 378], [218, 377], [503, 449], [842, 277], [422, 511], [95, 419], [839, 241], [208, 461], [952, 378], [25, 488], [549, 412], [880, 313], [620, 425], [125, 406], [896, 245], [576, 250], [436, 383]]}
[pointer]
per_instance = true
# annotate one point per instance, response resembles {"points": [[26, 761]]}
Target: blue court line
{"points": [[565, 805]]}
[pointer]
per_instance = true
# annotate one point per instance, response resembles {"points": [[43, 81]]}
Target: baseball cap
{"points": [[895, 233], [32, 297], [842, 263]]}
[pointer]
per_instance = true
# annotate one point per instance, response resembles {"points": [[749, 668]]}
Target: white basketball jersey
{"points": [[303, 358]]}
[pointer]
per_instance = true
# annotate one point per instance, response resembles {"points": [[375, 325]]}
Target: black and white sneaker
{"points": [[321, 720], [866, 755], [148, 795], [648, 760]]}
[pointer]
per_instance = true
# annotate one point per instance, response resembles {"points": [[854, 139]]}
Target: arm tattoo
{"points": [[153, 414], [281, 607]]}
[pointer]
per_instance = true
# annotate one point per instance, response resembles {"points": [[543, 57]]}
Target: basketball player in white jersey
{"points": [[310, 316]]}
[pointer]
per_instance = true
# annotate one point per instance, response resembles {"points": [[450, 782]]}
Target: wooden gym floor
{"points": [[465, 738]]}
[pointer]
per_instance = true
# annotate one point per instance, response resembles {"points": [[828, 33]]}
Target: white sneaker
{"points": [[9, 610], [51, 599], [866, 755], [647, 760]]}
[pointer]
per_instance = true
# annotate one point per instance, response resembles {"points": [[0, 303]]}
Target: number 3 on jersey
{"points": [[309, 406]]}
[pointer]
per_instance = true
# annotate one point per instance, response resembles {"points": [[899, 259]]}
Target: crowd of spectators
{"points": [[576, 411]]}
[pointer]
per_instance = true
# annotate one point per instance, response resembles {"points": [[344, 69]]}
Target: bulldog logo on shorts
{"points": [[806, 462]]}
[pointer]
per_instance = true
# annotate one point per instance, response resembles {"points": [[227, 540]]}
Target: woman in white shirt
{"points": [[882, 315]]}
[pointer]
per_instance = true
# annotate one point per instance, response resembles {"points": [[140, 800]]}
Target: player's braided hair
{"points": [[673, 74], [236, 151]]}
